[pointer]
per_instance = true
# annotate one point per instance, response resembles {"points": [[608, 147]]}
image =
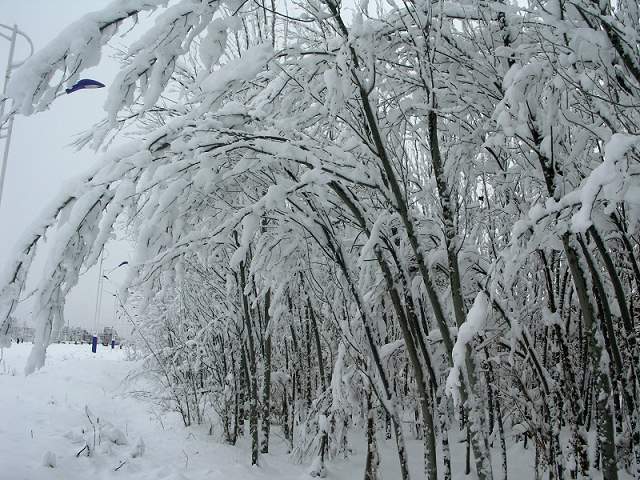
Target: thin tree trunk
{"points": [[372, 462], [252, 371]]}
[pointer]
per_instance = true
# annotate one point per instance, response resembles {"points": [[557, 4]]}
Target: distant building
{"points": [[22, 332], [80, 335], [108, 334], [74, 335]]}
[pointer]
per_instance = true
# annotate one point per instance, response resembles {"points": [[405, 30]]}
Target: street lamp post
{"points": [[11, 34], [113, 322], [96, 314], [98, 310]]}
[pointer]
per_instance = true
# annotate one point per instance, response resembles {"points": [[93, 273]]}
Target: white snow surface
{"points": [[44, 414]]}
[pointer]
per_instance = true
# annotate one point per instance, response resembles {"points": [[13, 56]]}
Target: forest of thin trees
{"points": [[393, 220]]}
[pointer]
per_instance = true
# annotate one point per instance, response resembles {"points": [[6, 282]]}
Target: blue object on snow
{"points": [[84, 83], [94, 343], [113, 344]]}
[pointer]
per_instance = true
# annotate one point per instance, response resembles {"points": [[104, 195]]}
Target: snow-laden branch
{"points": [[472, 326], [152, 58]]}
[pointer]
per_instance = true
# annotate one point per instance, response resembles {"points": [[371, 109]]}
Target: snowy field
{"points": [[44, 416]]}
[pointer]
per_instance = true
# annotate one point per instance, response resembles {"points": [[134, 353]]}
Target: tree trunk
{"points": [[373, 461]]}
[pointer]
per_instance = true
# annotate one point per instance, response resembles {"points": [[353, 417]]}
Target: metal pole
{"points": [[7, 73], [113, 323], [7, 142], [94, 339]]}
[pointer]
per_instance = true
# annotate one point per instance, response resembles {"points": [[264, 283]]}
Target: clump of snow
{"points": [[214, 43], [473, 325], [317, 468], [49, 459], [138, 449], [389, 349], [75, 436], [608, 176], [374, 238], [246, 67], [75, 49], [113, 434], [336, 378], [323, 423], [250, 224]]}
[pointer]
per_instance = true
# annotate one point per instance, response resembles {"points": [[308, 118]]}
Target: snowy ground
{"points": [[43, 415], [45, 412]]}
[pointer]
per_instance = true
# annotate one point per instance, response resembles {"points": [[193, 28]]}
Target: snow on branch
{"points": [[77, 236], [610, 177], [152, 58], [78, 47], [472, 326]]}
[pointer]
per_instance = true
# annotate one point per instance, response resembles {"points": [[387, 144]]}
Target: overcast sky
{"points": [[40, 162]]}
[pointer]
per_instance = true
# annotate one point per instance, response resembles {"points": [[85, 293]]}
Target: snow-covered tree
{"points": [[431, 206]]}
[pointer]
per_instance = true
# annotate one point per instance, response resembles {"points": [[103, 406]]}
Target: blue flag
{"points": [[84, 83]]}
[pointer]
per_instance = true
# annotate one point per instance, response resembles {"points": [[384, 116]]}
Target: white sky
{"points": [[40, 163]]}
